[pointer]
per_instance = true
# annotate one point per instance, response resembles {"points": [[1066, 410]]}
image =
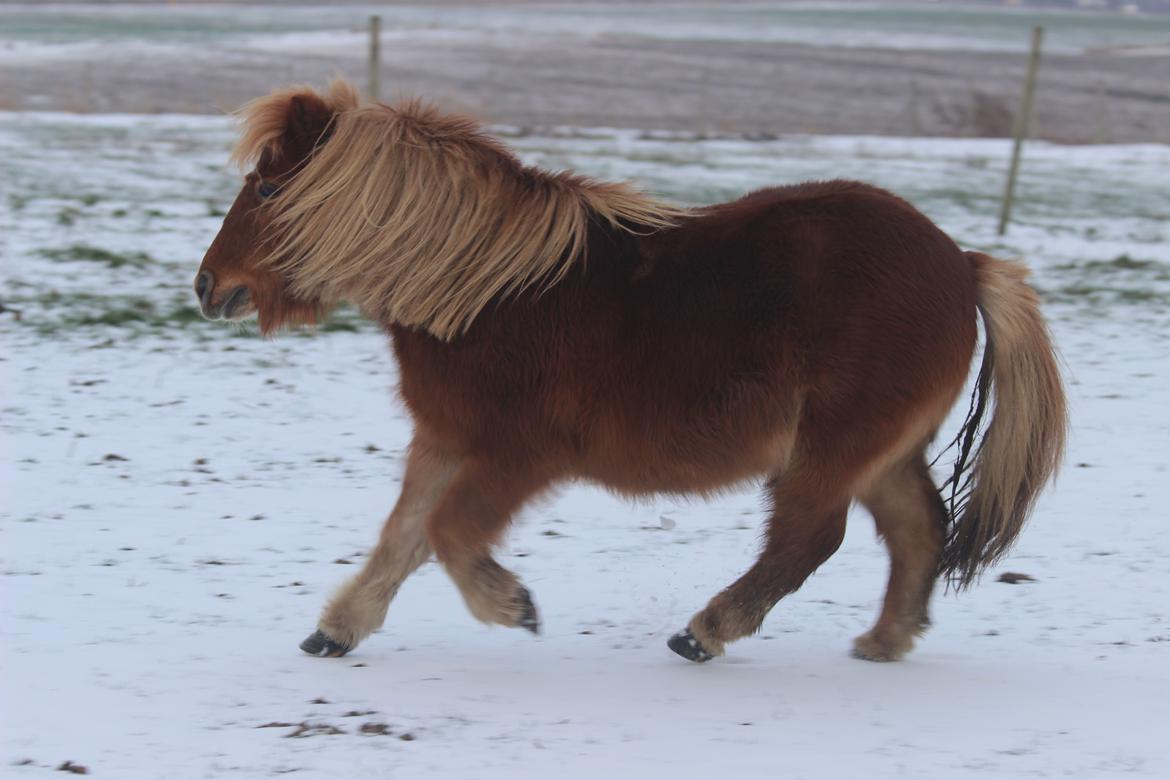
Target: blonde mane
{"points": [[420, 218]]}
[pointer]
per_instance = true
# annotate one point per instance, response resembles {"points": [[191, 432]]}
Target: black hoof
{"points": [[528, 618], [685, 644], [321, 645]]}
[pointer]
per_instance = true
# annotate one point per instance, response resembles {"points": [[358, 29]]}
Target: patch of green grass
{"points": [[1142, 296], [214, 210], [343, 319], [1122, 262], [54, 312], [90, 199], [1085, 292], [1076, 291], [339, 326], [184, 315], [67, 216], [95, 254], [1125, 263], [118, 316], [1121, 280]]}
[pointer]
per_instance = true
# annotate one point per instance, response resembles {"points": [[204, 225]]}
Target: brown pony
{"points": [[549, 327]]}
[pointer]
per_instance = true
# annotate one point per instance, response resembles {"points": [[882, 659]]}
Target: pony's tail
{"points": [[995, 483]]}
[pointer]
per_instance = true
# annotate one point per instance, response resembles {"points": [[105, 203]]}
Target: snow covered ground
{"points": [[177, 499]]}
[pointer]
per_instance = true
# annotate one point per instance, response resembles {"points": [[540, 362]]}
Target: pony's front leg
{"points": [[359, 607], [467, 523]]}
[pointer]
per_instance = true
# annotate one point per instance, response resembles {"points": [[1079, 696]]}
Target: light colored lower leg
{"points": [[359, 607], [906, 510], [491, 591]]}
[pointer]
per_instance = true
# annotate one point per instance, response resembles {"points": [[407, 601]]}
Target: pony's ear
{"points": [[283, 128], [306, 124]]}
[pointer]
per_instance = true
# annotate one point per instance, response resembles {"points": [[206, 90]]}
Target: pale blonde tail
{"points": [[993, 493]]}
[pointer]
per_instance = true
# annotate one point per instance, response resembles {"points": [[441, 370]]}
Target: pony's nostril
{"points": [[203, 286]]}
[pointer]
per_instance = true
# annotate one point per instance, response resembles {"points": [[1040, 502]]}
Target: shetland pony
{"points": [[549, 327]]}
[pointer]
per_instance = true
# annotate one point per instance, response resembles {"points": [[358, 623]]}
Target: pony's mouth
{"points": [[238, 305]]}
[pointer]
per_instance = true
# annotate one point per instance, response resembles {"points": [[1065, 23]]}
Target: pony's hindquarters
{"points": [[996, 482], [875, 453], [1024, 440]]}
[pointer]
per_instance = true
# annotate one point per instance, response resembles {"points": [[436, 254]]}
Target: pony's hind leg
{"points": [[804, 530], [910, 517], [359, 607], [464, 527]]}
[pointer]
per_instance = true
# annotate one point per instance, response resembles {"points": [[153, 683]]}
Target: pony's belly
{"points": [[687, 466]]}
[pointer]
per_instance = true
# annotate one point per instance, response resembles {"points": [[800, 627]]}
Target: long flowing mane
{"points": [[420, 218]]}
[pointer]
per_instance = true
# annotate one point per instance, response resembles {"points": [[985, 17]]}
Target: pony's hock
{"points": [[549, 327], [687, 645], [319, 644]]}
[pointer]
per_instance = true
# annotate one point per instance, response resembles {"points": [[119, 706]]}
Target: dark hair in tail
{"points": [[996, 480]]}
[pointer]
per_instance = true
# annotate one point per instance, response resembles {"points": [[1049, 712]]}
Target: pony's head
{"points": [[240, 275]]}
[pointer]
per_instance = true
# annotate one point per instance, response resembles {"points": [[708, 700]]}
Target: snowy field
{"points": [[773, 66], [179, 498], [63, 30]]}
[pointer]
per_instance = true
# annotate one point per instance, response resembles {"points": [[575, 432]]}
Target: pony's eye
{"points": [[266, 189]]}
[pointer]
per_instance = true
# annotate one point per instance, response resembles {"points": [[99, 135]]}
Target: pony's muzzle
{"points": [[235, 301]]}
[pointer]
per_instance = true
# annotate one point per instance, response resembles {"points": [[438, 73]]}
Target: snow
{"points": [[180, 497]]}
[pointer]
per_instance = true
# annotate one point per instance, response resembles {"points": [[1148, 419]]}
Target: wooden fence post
{"points": [[1103, 133], [915, 124], [372, 85], [1023, 120]]}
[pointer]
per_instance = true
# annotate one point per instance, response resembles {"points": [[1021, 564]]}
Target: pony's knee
{"points": [[456, 541], [472, 517], [446, 543]]}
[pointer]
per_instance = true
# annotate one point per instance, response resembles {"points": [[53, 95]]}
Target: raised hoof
{"points": [[685, 644], [529, 620], [321, 645]]}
